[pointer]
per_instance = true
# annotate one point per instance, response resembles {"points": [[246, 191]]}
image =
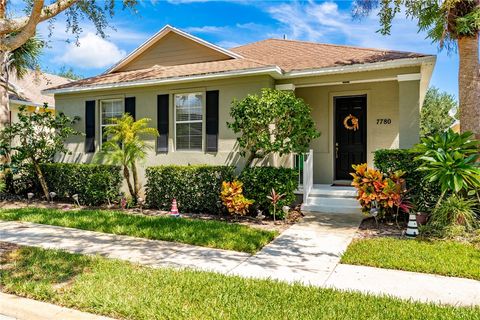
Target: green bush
{"points": [[454, 211], [196, 188], [423, 194], [259, 181], [95, 184]]}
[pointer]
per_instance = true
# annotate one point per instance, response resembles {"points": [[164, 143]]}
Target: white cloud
{"points": [[326, 22], [92, 52]]}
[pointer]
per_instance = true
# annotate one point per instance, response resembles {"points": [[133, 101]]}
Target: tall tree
{"points": [[436, 114], [16, 31], [451, 23]]}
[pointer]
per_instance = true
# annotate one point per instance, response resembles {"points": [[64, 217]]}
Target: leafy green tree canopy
{"points": [[435, 116], [444, 21], [36, 138], [274, 122]]}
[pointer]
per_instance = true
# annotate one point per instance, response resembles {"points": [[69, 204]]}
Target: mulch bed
{"points": [[369, 228], [265, 224]]}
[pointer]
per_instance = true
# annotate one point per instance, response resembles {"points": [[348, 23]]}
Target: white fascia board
{"points": [[409, 77], [285, 87], [24, 103], [274, 72], [359, 67], [160, 34]]}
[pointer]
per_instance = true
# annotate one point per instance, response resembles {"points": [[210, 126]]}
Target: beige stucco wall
{"points": [[384, 98], [146, 107], [383, 102]]}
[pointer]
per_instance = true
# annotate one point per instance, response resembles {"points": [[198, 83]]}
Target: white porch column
{"points": [[409, 109]]}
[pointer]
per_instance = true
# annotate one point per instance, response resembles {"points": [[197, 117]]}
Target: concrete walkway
{"points": [[308, 252], [13, 307]]}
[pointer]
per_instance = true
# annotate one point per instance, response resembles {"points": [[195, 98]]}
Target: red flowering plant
{"points": [[385, 192]]}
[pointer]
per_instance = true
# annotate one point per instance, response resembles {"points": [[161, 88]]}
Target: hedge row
{"points": [[258, 183], [94, 184], [196, 188], [423, 193]]}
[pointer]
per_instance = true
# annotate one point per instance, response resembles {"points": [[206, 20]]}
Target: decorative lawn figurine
{"points": [[52, 195], [30, 196], [412, 227], [75, 198], [174, 211]]}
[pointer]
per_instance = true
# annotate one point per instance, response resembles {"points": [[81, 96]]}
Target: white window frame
{"points": [[122, 102], [202, 93]]}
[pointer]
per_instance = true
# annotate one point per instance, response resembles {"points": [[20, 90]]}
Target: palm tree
{"points": [[451, 23], [125, 147]]}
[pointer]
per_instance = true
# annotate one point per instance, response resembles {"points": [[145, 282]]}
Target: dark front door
{"points": [[350, 134]]}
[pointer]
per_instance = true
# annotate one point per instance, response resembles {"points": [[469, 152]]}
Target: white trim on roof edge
{"points": [[273, 71], [399, 63], [160, 34]]}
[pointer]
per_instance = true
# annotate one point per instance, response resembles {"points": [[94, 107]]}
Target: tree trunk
{"points": [[136, 185], [4, 99], [41, 178], [126, 175], [469, 85]]}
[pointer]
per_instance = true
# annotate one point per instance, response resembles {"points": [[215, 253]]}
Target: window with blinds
{"points": [[188, 121], [110, 109]]}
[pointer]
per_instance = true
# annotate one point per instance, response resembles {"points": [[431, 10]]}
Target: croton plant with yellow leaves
{"points": [[387, 192], [233, 198]]}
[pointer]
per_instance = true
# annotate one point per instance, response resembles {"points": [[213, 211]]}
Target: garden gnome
{"points": [[412, 228], [174, 210]]}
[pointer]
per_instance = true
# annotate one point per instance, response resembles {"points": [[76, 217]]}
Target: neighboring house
{"points": [[456, 126], [27, 91], [186, 86]]}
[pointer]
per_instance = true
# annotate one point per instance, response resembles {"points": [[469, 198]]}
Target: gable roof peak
{"points": [[162, 33]]}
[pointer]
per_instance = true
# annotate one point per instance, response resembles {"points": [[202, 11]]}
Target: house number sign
{"points": [[384, 121]]}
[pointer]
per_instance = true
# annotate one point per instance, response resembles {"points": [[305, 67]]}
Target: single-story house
{"points": [[362, 99], [27, 91]]}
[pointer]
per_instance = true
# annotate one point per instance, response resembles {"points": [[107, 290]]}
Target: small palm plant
{"points": [[450, 159], [126, 147], [275, 197]]}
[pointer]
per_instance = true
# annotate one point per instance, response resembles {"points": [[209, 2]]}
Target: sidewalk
{"points": [[13, 307], [308, 252]]}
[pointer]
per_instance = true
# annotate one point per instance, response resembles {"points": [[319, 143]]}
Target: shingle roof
{"points": [[29, 88], [289, 55], [301, 55], [165, 72]]}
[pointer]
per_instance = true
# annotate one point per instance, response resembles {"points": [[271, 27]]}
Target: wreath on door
{"points": [[350, 122]]}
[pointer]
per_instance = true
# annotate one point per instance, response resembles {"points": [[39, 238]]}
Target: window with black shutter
{"points": [[162, 123]]}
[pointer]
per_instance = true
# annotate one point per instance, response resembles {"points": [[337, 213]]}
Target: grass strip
{"points": [[448, 258], [207, 233], [120, 289]]}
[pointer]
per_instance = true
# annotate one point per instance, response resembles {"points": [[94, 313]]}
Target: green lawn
{"points": [[120, 289], [447, 258], [214, 234]]}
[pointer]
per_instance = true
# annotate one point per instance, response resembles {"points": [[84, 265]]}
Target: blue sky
{"points": [[233, 23]]}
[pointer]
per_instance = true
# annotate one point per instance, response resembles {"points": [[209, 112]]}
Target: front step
{"points": [[328, 199]]}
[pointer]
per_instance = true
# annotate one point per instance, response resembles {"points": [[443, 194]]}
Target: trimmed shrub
{"points": [[95, 184], [423, 194], [259, 181], [196, 188]]}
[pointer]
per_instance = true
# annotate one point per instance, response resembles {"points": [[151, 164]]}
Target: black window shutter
{"points": [[130, 106], [212, 121], [90, 126], [162, 123]]}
